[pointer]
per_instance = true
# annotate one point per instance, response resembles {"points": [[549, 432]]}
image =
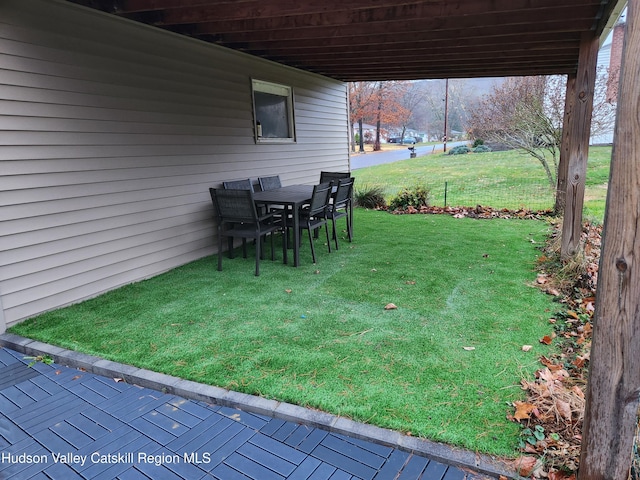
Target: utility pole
{"points": [[446, 112]]}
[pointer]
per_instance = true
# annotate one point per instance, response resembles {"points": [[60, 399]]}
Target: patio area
{"points": [[63, 421]]}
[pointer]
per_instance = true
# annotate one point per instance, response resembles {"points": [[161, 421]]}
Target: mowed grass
{"points": [[498, 179], [444, 365]]}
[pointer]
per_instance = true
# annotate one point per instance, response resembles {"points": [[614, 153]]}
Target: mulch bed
{"points": [[479, 211]]}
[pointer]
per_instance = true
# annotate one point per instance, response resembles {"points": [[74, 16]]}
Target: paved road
{"points": [[377, 158]]}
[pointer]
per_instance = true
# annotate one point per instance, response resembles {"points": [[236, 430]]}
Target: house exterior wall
{"points": [[111, 134]]}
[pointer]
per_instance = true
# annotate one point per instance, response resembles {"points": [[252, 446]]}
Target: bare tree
{"points": [[527, 113]]}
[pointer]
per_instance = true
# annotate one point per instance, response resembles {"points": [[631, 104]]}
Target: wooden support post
{"points": [[565, 147], [579, 131], [614, 372]]}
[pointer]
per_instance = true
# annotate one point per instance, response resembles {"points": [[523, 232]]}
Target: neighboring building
{"points": [[112, 133], [609, 58], [615, 60]]}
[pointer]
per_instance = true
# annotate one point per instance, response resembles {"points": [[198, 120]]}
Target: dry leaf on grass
{"points": [[469, 349], [526, 348], [390, 306], [546, 340]]}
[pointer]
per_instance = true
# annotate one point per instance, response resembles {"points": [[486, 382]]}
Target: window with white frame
{"points": [[273, 112]]}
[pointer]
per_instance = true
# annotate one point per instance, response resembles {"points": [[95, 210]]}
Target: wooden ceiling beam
{"points": [[333, 12], [241, 9], [443, 60], [409, 42], [276, 30]]}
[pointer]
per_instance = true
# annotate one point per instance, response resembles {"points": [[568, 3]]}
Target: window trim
{"points": [[274, 89]]}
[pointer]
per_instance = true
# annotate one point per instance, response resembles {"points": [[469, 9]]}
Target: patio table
{"points": [[292, 197]]}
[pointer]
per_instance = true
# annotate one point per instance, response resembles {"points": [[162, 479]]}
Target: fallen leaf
{"points": [[542, 279], [563, 408], [390, 306], [559, 475], [118, 380], [549, 364], [526, 348], [58, 372], [578, 391], [523, 410], [573, 314], [410, 282], [525, 465], [288, 290], [546, 340], [579, 362], [76, 377], [553, 291], [469, 349]]}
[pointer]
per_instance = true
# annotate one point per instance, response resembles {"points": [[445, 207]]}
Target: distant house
{"points": [[610, 57], [112, 133], [368, 132]]}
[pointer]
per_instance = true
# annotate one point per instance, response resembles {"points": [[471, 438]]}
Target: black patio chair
{"points": [[314, 215], [341, 206], [238, 217], [269, 183], [244, 184], [331, 176]]}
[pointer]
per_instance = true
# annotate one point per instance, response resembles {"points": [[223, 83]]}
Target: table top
{"points": [[291, 194]]}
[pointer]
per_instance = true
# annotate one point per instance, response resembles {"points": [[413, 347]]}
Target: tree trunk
{"points": [[360, 131], [579, 130], [614, 372]]}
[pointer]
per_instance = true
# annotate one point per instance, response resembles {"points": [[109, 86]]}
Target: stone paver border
{"points": [[480, 463]]}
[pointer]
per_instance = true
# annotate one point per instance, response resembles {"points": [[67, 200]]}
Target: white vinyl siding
{"points": [[111, 134]]}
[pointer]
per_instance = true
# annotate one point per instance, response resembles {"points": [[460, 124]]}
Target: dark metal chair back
{"points": [[269, 183], [244, 184], [235, 206], [331, 176], [319, 200], [343, 193]]}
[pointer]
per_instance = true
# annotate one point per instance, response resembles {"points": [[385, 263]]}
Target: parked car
{"points": [[405, 140]]}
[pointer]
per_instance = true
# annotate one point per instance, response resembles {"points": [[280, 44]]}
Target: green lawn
{"points": [[497, 179], [319, 335]]}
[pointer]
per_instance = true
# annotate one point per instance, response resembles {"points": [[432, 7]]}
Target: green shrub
{"points": [[371, 197], [417, 197], [481, 149], [477, 142], [459, 150]]}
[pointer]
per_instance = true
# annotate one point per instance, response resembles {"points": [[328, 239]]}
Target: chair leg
{"points": [[335, 231], [258, 253], [326, 228], [285, 241], [313, 250], [230, 251], [219, 249], [273, 255]]}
